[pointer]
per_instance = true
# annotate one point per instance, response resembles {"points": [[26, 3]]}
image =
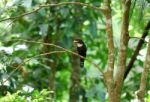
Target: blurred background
{"points": [[27, 73]]}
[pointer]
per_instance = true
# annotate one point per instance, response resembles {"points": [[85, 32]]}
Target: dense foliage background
{"points": [[28, 73]]}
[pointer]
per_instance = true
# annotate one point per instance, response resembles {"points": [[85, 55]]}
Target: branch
{"points": [[142, 89], [109, 73], [52, 5], [49, 44], [19, 66], [139, 38], [64, 49], [138, 48], [123, 49]]}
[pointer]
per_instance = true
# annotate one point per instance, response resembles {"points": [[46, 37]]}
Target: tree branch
{"points": [[109, 73], [123, 50], [49, 44], [20, 65], [52, 5], [142, 89], [138, 48], [64, 49]]}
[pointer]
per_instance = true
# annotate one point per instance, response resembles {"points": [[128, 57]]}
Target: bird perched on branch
{"points": [[81, 48]]}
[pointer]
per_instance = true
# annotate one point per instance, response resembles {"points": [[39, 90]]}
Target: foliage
{"points": [[21, 96], [20, 67]]}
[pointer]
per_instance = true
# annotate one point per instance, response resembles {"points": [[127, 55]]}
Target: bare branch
{"points": [[52, 5], [123, 50], [109, 73], [138, 48], [110, 38], [142, 89]]}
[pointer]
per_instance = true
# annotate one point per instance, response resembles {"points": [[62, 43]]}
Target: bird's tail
{"points": [[81, 63]]}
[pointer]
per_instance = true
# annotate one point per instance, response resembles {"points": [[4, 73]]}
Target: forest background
{"points": [[39, 62]]}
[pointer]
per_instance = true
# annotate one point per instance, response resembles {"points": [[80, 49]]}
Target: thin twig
{"points": [[64, 50], [69, 51], [52, 5], [138, 38], [7, 26], [19, 66]]}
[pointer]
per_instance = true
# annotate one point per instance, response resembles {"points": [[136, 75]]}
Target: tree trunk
{"points": [[75, 80]]}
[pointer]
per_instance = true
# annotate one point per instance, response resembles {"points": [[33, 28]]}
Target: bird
{"points": [[81, 49]]}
